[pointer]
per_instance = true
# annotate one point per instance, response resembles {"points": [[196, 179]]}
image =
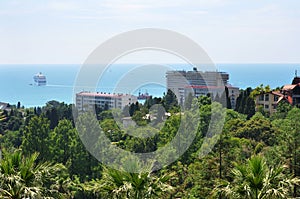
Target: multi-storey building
{"points": [[233, 94], [88, 100], [200, 83]]}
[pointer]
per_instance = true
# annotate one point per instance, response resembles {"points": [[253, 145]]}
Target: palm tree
{"points": [[121, 184], [256, 180], [21, 177]]}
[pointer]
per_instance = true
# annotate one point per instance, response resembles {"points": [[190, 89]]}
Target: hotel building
{"points": [[181, 83], [88, 100]]}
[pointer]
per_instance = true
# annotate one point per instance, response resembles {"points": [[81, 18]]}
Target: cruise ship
{"points": [[39, 79]]}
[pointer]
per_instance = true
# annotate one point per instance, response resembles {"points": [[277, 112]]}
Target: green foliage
{"points": [[227, 97], [288, 139], [11, 139], [245, 103], [260, 90], [120, 184], [282, 110], [151, 101], [143, 139], [188, 101], [56, 111], [23, 177], [255, 180], [170, 100], [140, 118], [11, 121], [36, 137], [244, 134], [258, 128], [112, 130]]}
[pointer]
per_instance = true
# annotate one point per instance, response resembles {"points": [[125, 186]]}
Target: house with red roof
{"points": [[292, 92], [269, 101], [289, 93]]}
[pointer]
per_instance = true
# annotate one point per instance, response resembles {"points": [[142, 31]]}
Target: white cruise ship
{"points": [[39, 79]]}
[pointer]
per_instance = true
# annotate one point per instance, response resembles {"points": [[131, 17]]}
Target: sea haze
{"points": [[16, 80]]}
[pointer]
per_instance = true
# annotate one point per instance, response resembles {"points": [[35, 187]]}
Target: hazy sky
{"points": [[229, 30]]}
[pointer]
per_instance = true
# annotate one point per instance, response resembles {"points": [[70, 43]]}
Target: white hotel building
{"points": [[88, 100], [200, 83]]}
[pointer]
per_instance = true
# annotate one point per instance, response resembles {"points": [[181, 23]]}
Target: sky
{"points": [[230, 31]]}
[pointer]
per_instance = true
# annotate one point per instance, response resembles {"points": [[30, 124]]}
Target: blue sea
{"points": [[16, 81]]}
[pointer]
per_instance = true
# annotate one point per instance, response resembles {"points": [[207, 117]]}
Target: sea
{"points": [[16, 81]]}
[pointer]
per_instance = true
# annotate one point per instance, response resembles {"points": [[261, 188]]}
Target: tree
{"points": [[132, 109], [11, 140], [121, 184], [245, 103], [288, 139], [36, 137], [188, 101], [56, 111], [23, 177], [140, 118], [52, 115], [63, 142], [227, 97], [146, 142], [260, 90], [151, 101], [255, 180], [258, 128], [282, 110], [170, 100], [19, 105]]}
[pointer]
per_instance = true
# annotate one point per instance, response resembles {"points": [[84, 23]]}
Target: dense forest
{"points": [[255, 155]]}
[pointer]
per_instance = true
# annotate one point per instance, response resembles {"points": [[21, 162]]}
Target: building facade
{"points": [[181, 83], [233, 94], [88, 100], [268, 101]]}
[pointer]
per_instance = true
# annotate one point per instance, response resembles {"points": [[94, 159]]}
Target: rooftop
{"points": [[211, 87], [101, 94], [289, 87], [278, 93], [3, 105]]}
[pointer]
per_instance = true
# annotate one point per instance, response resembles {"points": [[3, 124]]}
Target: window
{"points": [[261, 98], [266, 106], [276, 98], [267, 97]]}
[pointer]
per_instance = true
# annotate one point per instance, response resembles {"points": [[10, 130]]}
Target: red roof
{"points": [[99, 94], [206, 87], [277, 93], [289, 87]]}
